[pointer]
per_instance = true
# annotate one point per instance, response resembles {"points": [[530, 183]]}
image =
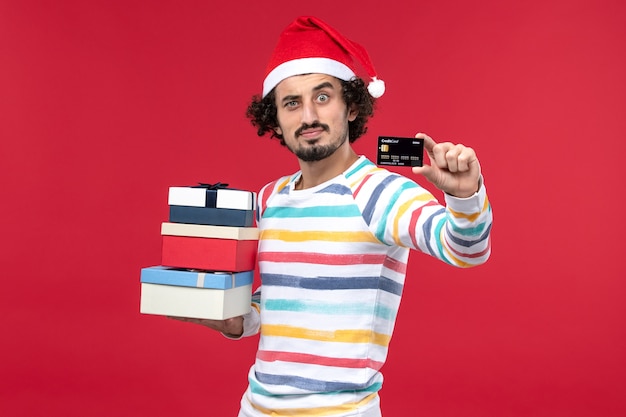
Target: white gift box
{"points": [[223, 198], [192, 302]]}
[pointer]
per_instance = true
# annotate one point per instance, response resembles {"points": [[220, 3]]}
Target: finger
{"points": [[213, 324], [452, 158], [177, 318], [185, 319], [429, 143], [425, 170], [466, 159], [441, 156]]}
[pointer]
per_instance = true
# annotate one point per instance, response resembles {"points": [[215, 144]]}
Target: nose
{"points": [[309, 113]]}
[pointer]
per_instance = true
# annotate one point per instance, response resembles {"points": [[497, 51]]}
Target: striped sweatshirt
{"points": [[332, 262]]}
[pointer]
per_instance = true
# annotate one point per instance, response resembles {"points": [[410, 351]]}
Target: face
{"points": [[312, 115]]}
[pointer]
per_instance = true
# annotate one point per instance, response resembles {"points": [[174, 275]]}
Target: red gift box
{"points": [[211, 254]]}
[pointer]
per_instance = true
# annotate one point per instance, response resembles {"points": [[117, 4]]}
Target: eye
{"points": [[291, 103], [323, 97]]}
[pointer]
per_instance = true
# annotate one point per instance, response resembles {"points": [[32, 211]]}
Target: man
{"points": [[335, 236]]}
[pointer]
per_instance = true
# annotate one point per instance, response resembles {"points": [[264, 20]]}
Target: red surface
{"points": [[105, 104], [228, 255]]}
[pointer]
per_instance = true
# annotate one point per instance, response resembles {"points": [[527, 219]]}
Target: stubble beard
{"points": [[315, 152]]}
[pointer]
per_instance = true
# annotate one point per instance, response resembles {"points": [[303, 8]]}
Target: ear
{"points": [[278, 131], [353, 112]]}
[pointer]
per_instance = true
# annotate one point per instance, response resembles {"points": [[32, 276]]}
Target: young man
{"points": [[336, 235]]}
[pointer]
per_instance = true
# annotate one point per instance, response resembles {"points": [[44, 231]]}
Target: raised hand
{"points": [[454, 168]]}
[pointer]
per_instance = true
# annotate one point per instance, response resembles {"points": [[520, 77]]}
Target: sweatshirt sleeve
{"points": [[402, 213], [463, 237]]}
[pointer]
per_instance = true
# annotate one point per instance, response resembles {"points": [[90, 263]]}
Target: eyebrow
{"points": [[326, 84]]}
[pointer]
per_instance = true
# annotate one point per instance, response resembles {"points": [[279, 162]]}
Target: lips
{"points": [[311, 133]]}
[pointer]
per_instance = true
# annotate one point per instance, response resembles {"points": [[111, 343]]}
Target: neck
{"points": [[317, 172]]}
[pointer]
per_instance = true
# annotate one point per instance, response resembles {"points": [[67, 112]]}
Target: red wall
{"points": [[104, 104]]}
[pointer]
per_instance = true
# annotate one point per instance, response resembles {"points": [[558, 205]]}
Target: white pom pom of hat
{"points": [[308, 45], [376, 87]]}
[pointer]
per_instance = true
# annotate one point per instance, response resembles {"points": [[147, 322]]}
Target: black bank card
{"points": [[397, 151]]}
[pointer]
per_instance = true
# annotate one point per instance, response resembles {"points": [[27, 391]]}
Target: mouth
{"points": [[311, 132]]}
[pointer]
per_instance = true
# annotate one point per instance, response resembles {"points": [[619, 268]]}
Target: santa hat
{"points": [[309, 46]]}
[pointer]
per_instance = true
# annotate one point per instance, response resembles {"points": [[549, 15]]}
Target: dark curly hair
{"points": [[262, 111]]}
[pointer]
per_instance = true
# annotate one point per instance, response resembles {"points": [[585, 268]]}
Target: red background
{"points": [[104, 104]]}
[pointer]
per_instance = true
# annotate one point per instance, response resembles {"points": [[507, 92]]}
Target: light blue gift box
{"points": [[195, 278]]}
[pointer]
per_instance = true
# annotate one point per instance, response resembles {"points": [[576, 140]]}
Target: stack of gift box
{"points": [[209, 248]]}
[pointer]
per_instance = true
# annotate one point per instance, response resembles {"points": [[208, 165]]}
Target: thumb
{"points": [[426, 171]]}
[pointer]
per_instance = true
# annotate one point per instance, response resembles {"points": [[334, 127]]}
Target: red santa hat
{"points": [[309, 46]]}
